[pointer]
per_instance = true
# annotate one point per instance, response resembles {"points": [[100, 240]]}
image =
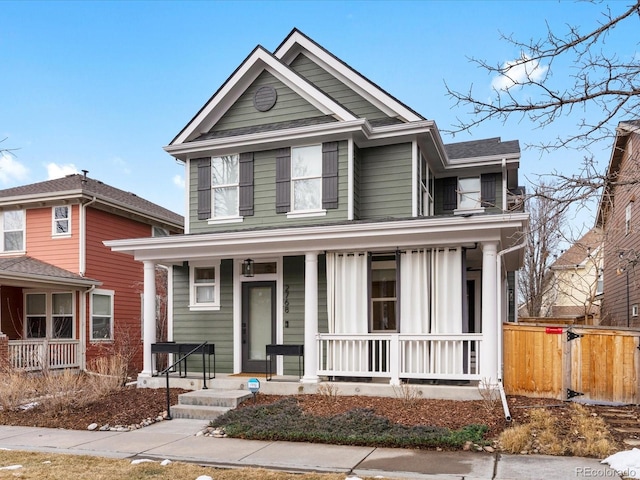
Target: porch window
{"points": [[306, 178], [225, 186], [61, 220], [36, 311], [13, 230], [204, 287], [384, 297], [102, 315], [62, 315]]}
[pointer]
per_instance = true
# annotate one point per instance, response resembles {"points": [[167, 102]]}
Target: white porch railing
{"points": [[43, 354], [400, 356]]}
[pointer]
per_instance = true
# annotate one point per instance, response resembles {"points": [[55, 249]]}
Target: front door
{"points": [[258, 324]]}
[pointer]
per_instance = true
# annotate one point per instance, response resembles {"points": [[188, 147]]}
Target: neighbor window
{"points": [[204, 286], [225, 186], [36, 312], [469, 193], [102, 315], [13, 230], [61, 220], [306, 178], [384, 293], [627, 219], [159, 232]]}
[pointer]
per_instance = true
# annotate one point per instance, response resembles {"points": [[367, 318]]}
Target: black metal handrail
{"points": [[173, 365]]}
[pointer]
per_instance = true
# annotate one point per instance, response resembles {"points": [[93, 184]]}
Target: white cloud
{"points": [[178, 181], [58, 171], [519, 71], [122, 165], [11, 170]]}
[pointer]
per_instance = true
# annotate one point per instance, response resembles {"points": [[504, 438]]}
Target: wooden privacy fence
{"points": [[599, 364]]}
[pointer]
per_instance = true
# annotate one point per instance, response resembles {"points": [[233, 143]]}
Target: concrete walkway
{"points": [[176, 440]]}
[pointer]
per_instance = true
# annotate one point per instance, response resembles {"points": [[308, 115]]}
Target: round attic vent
{"points": [[265, 98]]}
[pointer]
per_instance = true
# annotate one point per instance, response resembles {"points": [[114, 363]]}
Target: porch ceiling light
{"points": [[247, 268]]}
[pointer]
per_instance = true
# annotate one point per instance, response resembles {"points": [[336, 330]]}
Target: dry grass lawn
{"points": [[47, 466]]}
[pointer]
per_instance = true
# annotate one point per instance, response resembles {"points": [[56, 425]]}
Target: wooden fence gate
{"points": [[599, 364]]}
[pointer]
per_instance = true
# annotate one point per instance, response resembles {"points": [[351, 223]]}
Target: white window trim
{"points": [[314, 212], [221, 220], [49, 313], [3, 231], [214, 186], [54, 232], [109, 293], [212, 306]]}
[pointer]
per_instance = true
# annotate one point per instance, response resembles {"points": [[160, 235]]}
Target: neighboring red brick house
{"points": [[66, 298], [619, 218]]}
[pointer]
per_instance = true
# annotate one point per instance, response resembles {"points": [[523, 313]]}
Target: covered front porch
{"points": [[420, 348]]}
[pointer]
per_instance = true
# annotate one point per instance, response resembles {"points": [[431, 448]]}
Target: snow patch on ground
{"points": [[626, 463]]}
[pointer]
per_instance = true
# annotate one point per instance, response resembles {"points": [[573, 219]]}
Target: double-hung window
{"points": [[62, 315], [49, 315], [102, 315], [426, 188], [204, 286], [225, 186], [306, 178], [469, 193], [36, 313], [13, 230], [61, 220]]}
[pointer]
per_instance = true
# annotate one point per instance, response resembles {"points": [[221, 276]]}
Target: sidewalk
{"points": [[176, 440]]}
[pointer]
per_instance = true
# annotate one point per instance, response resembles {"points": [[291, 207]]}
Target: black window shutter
{"points": [[330, 175], [283, 180], [449, 193], [246, 184], [204, 187], [488, 189]]}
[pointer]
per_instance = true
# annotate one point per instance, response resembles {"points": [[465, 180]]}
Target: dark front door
{"points": [[258, 324]]}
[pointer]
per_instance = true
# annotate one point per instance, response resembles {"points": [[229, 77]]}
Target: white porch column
{"points": [[149, 316], [490, 321], [310, 317]]}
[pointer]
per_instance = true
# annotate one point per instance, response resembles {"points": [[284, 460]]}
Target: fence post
{"points": [[394, 358]]}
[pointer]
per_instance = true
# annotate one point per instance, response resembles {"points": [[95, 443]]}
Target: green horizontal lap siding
{"points": [[335, 89], [289, 106], [213, 326], [385, 181], [293, 277], [265, 197]]}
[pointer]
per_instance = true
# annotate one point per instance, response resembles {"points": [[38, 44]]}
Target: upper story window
{"points": [[469, 193], [306, 178], [627, 218], [12, 230], [61, 220], [159, 232], [204, 286], [225, 186]]}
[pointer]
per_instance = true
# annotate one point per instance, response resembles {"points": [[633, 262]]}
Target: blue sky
{"points": [[104, 85]]}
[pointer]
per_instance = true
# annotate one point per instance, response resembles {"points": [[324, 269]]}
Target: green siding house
{"points": [[324, 213]]}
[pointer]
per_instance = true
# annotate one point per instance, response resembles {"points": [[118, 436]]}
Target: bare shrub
{"points": [[328, 390], [105, 375], [594, 438], [16, 388], [60, 388], [490, 394], [408, 394]]}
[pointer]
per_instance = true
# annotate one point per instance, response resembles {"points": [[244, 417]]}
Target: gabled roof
{"points": [[78, 186], [23, 269], [580, 250], [624, 129]]}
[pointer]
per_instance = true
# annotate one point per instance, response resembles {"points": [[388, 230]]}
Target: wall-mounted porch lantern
{"points": [[247, 268]]}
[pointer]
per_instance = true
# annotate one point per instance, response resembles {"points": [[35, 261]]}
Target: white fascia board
{"points": [[266, 140], [259, 61], [297, 43], [424, 232], [509, 159]]}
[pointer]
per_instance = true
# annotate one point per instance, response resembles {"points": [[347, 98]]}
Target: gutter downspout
{"points": [[503, 397]]}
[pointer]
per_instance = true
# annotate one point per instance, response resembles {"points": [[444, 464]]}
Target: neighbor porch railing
{"points": [[400, 356], [40, 354]]}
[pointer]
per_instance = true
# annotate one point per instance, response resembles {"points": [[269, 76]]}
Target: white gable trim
{"points": [[259, 61], [298, 42]]}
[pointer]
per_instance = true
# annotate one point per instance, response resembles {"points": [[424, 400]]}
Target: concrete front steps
{"points": [[208, 404]]}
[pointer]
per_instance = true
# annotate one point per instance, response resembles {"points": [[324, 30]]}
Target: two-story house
{"points": [[65, 298], [325, 213], [618, 218]]}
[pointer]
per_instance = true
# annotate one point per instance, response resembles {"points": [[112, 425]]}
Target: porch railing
{"points": [[39, 354], [400, 356]]}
